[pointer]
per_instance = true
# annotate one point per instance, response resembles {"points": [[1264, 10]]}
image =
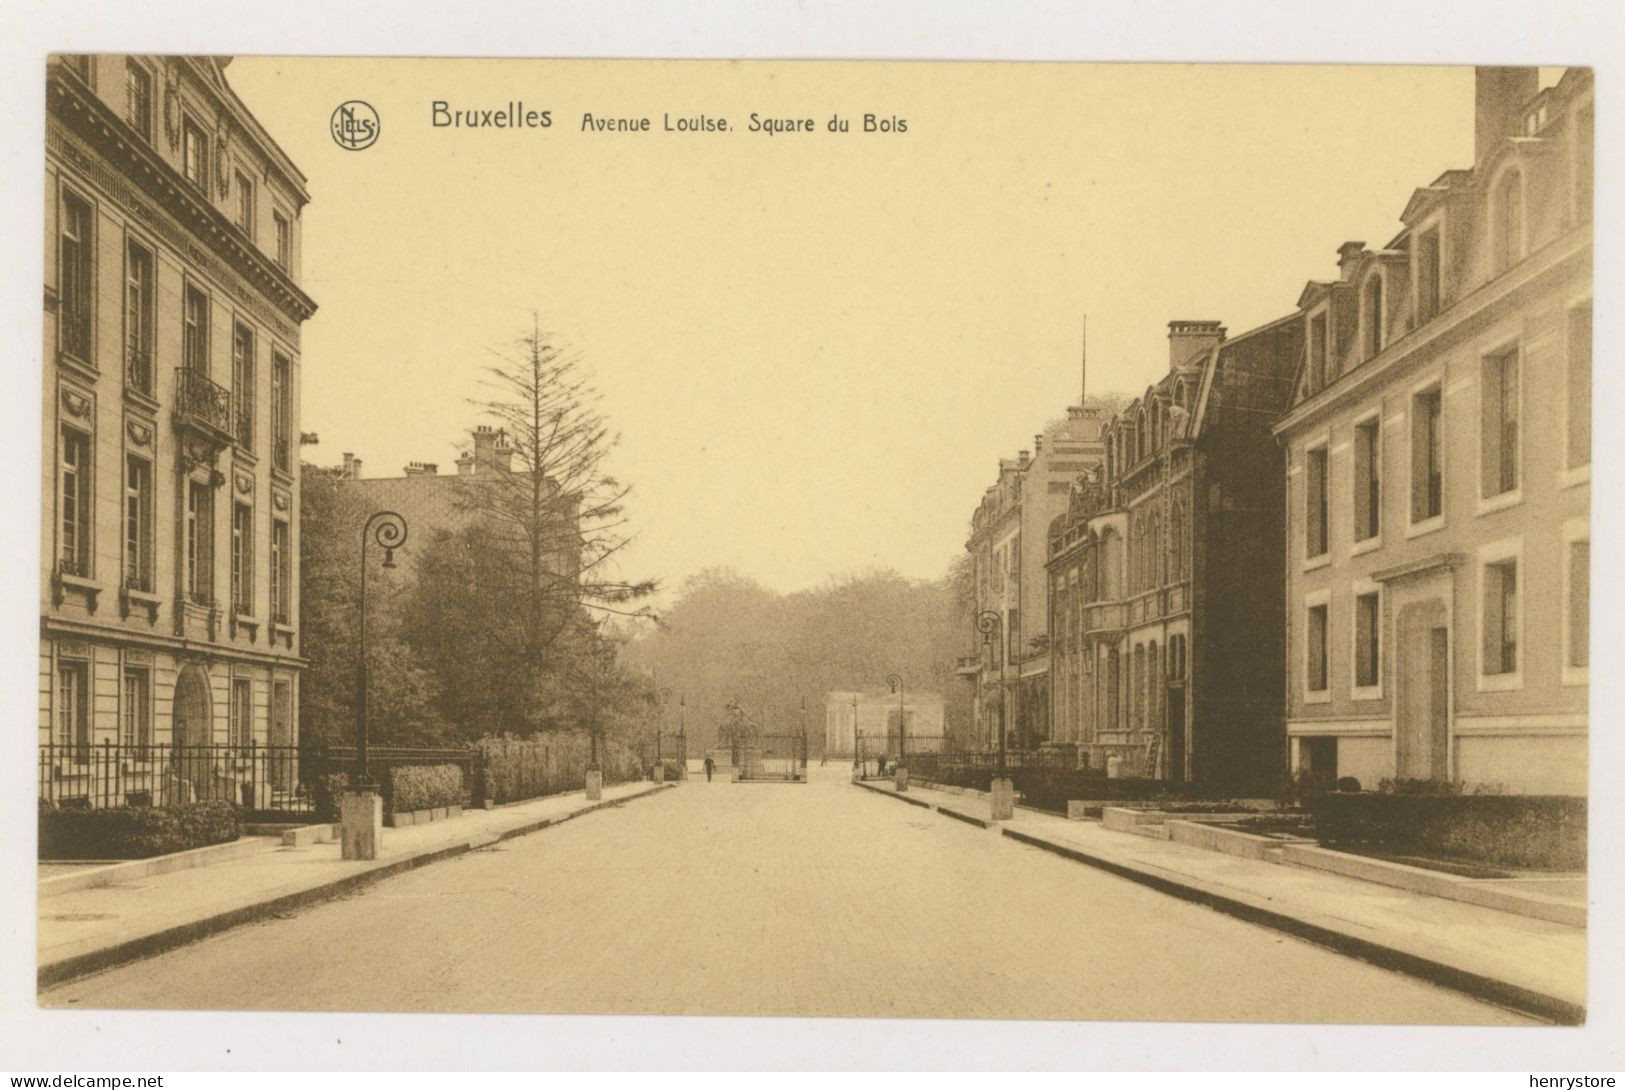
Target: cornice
{"points": [[78, 110]]}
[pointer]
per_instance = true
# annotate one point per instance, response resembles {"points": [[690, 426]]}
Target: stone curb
{"points": [[1516, 997], [113, 873], [981, 823], [1525, 1000], [95, 961]]}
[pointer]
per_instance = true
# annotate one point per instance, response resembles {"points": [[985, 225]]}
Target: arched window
{"points": [[1373, 316], [1508, 220], [1140, 435], [1153, 687], [1153, 550]]}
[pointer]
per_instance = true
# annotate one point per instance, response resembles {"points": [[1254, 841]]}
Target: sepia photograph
{"points": [[825, 539]]}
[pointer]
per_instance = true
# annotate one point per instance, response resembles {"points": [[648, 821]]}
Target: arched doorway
{"points": [[193, 733]]}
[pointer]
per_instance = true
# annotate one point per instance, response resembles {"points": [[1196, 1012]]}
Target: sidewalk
{"points": [[1531, 965], [86, 930]]}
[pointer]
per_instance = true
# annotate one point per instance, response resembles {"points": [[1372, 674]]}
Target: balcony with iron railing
{"points": [[203, 405]]}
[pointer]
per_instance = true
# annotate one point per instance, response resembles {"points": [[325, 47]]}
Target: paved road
{"points": [[776, 900]]}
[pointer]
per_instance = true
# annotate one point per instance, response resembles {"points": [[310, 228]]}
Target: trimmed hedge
{"points": [[329, 789], [134, 832], [1532, 832], [423, 787], [548, 764]]}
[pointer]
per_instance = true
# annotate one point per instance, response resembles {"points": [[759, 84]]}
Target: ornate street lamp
{"points": [[388, 530], [990, 623], [857, 760], [896, 683]]}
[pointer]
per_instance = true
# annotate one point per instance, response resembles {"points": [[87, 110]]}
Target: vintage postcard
{"points": [[839, 539]]}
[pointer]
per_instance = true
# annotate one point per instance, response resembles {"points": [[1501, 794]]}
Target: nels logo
{"points": [[354, 125]]}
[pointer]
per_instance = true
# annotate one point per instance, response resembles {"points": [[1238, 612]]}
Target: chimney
{"points": [[1187, 340], [352, 467], [1348, 255], [1023, 458], [465, 464], [1499, 96], [1038, 445], [492, 452], [421, 469]]}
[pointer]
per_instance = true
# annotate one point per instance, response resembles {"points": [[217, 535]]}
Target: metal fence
{"points": [[671, 751], [252, 776], [771, 757], [878, 754]]}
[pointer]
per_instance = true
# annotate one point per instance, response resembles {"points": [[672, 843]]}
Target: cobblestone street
{"points": [[769, 899]]}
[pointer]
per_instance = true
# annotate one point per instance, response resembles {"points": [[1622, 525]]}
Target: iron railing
{"points": [[878, 753], [253, 776], [771, 757], [201, 401], [138, 369], [75, 332]]}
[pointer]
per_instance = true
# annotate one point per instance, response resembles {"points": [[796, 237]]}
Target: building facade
{"points": [[876, 715], [1009, 534], [1439, 465], [169, 611], [1166, 603]]}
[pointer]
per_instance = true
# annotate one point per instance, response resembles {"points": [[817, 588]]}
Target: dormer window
{"points": [[1373, 316], [1507, 218], [1429, 271], [1317, 352]]}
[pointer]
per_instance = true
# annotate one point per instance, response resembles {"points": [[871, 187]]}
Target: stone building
{"points": [[1165, 570], [877, 716], [1439, 466], [1009, 531], [170, 518], [430, 501]]}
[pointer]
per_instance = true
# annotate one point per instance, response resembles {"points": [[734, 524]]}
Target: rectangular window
{"points": [[1014, 622], [1427, 456], [242, 385], [1367, 479], [195, 331], [200, 542], [245, 203], [138, 299], [72, 708], [1579, 603], [281, 412], [284, 241], [1367, 640], [75, 503], [75, 276], [137, 708], [1429, 270], [137, 523], [1315, 509], [1315, 678], [1317, 353], [1579, 386], [281, 573], [242, 560], [1498, 429], [242, 712], [1501, 617], [138, 98], [194, 154], [79, 64]]}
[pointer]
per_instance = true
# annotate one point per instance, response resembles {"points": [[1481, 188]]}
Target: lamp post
{"points": [[896, 683], [805, 754], [362, 816], [990, 623], [857, 750]]}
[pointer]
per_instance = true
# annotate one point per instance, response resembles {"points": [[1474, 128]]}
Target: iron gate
{"points": [[780, 757], [671, 754], [877, 754]]}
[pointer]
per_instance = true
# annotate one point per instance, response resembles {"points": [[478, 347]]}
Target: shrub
{"points": [[1522, 831], [1347, 783], [134, 832], [423, 787], [513, 769], [328, 790]]}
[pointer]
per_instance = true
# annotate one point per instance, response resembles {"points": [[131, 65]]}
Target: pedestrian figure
{"points": [[709, 765]]}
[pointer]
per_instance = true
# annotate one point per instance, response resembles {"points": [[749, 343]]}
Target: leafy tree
{"points": [[402, 695]]}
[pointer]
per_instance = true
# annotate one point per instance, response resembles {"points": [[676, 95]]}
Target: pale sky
{"points": [[818, 346]]}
